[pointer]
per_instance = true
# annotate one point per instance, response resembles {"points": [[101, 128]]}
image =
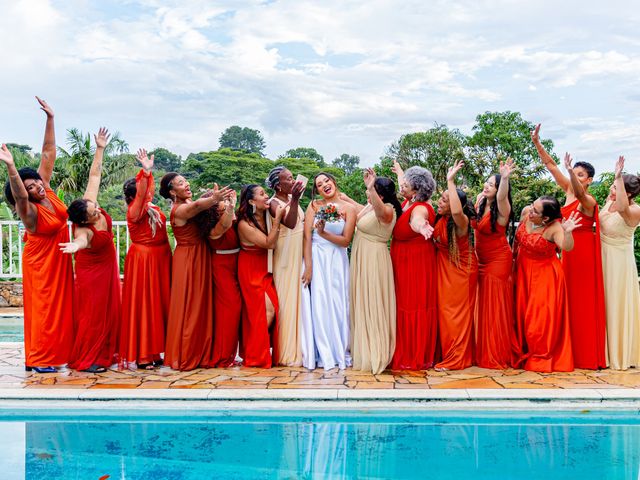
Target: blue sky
{"points": [[339, 76]]}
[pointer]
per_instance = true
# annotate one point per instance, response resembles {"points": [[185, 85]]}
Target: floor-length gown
{"points": [[585, 291], [97, 302], [190, 323], [287, 275], [373, 298], [457, 284], [47, 282], [147, 279], [329, 291], [542, 314], [495, 343], [227, 299], [622, 297], [259, 346], [414, 270]]}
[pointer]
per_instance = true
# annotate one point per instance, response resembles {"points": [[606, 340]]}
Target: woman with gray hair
{"points": [[413, 256]]}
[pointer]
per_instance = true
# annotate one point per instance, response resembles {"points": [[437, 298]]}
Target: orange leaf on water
{"points": [[104, 477]]}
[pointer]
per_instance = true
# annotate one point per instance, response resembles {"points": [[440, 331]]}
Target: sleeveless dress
{"points": [[259, 343], [287, 275], [542, 314], [457, 285], [147, 280], [97, 302], [47, 282], [585, 290], [329, 292], [227, 299], [190, 323], [622, 297], [373, 299], [414, 269], [495, 342]]}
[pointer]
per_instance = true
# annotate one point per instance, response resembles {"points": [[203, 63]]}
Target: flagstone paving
{"points": [[12, 375]]}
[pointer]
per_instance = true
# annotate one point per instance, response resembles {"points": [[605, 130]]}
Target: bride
{"points": [[328, 229]]}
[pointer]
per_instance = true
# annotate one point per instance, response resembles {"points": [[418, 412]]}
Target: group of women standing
{"points": [[269, 284]]}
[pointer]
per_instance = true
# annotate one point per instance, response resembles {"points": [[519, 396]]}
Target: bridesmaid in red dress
{"points": [[97, 294], [147, 273], [260, 301], [47, 274], [583, 265], [457, 272], [495, 344], [542, 315], [413, 255], [190, 323]]}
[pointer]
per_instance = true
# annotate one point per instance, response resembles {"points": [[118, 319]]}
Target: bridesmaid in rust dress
{"points": [[190, 324]]}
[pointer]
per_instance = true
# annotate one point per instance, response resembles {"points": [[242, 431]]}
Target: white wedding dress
{"points": [[325, 339]]}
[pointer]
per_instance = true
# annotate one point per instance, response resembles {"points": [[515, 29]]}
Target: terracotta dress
{"points": [[585, 290], [414, 270], [495, 342], [147, 279], [190, 323], [97, 302], [542, 314], [259, 343], [227, 299], [622, 297], [47, 282], [457, 284], [373, 297]]}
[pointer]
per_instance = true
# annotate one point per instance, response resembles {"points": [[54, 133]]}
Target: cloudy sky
{"points": [[339, 76]]}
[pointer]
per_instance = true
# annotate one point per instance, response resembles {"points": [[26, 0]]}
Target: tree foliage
{"points": [[304, 152], [348, 163], [166, 160], [243, 139]]}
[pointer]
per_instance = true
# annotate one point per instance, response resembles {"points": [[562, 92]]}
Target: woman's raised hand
{"points": [[233, 199], [507, 168], [396, 168], [619, 166], [145, 161], [369, 177], [453, 171], [5, 155], [568, 162], [44, 106], [535, 133], [220, 194], [571, 223], [102, 138], [297, 190]]}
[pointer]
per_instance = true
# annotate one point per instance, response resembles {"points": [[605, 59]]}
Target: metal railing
{"points": [[11, 242]]}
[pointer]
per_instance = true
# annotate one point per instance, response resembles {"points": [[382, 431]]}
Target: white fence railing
{"points": [[12, 234]]}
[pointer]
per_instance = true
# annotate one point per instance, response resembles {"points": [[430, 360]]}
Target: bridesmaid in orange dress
{"points": [[495, 345], [457, 275], [97, 294], [190, 323], [147, 273], [542, 315], [260, 301], [583, 265], [47, 274]]}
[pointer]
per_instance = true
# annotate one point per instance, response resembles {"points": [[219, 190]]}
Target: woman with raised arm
{"points": [[147, 273], [495, 343], [413, 255], [218, 225], [457, 269], [619, 219], [287, 264], [189, 341], [373, 299], [260, 300], [97, 293], [47, 274], [583, 265], [328, 229], [542, 314]]}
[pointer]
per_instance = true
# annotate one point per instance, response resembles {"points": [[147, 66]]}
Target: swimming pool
{"points": [[11, 329], [347, 444]]}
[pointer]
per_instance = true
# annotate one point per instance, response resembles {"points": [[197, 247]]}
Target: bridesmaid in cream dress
{"points": [[287, 264], [618, 220], [373, 298]]}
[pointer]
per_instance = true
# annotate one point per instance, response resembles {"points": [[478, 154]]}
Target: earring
{"points": [[253, 207]]}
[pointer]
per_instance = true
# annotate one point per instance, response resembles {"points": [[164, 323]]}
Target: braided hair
{"points": [[273, 180], [469, 210]]}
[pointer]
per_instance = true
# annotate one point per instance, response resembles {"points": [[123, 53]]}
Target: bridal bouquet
{"points": [[328, 213]]}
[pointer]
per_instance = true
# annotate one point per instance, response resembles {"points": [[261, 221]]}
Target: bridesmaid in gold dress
{"points": [[618, 220], [373, 298], [287, 264]]}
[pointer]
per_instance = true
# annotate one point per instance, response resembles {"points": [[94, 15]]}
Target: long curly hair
{"points": [[206, 220], [469, 210], [493, 209], [245, 209]]}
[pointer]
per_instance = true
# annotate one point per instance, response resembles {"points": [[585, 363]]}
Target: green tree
{"points": [[305, 152], [246, 139], [166, 160], [348, 163]]}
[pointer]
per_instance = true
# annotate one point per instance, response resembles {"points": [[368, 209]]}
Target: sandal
{"points": [[95, 369], [41, 369], [146, 366], [158, 363]]}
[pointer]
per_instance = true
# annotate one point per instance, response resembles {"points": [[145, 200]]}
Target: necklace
{"points": [[534, 226]]}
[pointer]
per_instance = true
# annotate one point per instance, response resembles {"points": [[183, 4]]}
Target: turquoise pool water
{"points": [[290, 445], [11, 329]]}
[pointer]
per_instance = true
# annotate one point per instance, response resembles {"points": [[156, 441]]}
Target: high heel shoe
{"points": [[41, 369]]}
